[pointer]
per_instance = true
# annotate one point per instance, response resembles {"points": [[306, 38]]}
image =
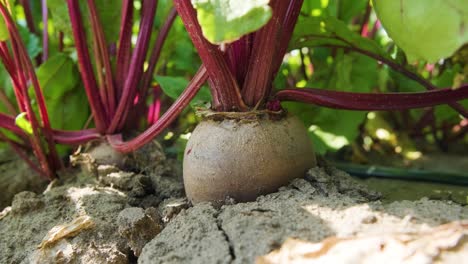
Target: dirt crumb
{"points": [[138, 227], [192, 236], [167, 187], [170, 207], [25, 202], [16, 176]]}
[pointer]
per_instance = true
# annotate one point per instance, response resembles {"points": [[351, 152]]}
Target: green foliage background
{"points": [[327, 51]]}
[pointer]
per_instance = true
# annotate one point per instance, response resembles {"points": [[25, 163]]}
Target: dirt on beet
{"points": [[111, 216]]}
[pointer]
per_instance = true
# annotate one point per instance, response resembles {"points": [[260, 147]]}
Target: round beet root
{"points": [[242, 159]]}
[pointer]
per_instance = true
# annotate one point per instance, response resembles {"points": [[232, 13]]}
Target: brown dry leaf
{"points": [[444, 244], [66, 230]]}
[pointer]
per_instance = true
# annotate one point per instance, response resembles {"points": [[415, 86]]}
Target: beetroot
{"points": [[243, 158]]}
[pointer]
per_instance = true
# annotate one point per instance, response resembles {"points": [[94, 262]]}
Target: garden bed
{"points": [[125, 217]]}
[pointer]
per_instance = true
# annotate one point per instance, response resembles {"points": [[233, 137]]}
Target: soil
{"points": [[107, 215], [16, 176]]}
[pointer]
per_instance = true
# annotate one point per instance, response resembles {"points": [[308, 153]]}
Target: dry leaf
{"points": [[66, 230], [5, 212]]}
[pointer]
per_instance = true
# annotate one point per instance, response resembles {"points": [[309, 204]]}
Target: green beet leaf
{"points": [[109, 12], [4, 35], [330, 31], [57, 76], [65, 99], [31, 41], [174, 86], [351, 8], [224, 21], [109, 15], [59, 12], [425, 29], [22, 122]]}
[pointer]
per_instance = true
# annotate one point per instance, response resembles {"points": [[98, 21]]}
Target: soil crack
{"points": [[219, 224]]}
